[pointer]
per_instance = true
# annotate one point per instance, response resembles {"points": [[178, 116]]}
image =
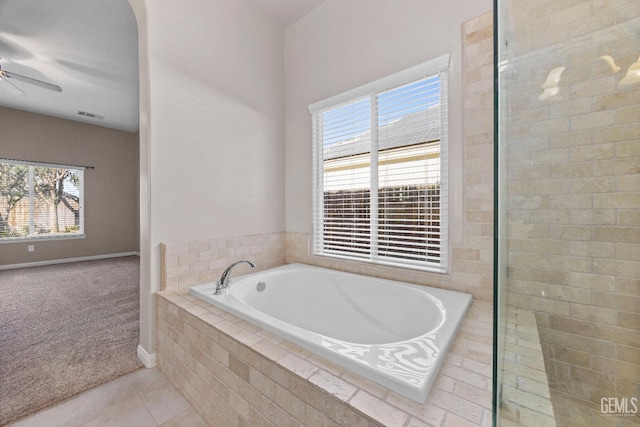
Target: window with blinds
{"points": [[40, 201], [380, 171]]}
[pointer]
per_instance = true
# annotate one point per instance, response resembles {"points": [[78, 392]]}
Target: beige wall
{"points": [[342, 45], [573, 190], [111, 217]]}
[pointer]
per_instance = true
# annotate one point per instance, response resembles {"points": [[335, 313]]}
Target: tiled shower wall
{"points": [[573, 180]]}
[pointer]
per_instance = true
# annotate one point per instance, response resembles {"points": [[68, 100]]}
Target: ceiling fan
{"points": [[7, 76]]}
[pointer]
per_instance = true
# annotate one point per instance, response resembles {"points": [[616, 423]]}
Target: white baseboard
{"points": [[67, 260], [149, 360]]}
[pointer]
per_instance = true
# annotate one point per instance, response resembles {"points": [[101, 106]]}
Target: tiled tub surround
{"points": [[184, 264], [393, 333], [298, 251], [312, 391], [237, 374]]}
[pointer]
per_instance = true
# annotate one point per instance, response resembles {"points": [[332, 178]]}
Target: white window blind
{"points": [[40, 200], [380, 171]]}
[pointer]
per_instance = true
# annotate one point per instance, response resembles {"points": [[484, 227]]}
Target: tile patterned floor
{"points": [[143, 398]]}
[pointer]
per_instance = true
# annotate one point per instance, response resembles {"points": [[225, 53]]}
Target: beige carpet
{"points": [[64, 329]]}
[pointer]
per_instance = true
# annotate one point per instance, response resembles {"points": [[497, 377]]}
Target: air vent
{"points": [[90, 115]]}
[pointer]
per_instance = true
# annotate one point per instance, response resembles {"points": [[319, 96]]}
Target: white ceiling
{"points": [[286, 12], [90, 49], [87, 47]]}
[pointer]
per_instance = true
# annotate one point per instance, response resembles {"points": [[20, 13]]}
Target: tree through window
{"points": [[38, 200]]}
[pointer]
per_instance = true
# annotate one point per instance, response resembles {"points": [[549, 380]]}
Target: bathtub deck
{"points": [[257, 378]]}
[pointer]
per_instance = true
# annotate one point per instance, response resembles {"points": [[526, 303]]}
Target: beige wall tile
{"points": [[378, 410]]}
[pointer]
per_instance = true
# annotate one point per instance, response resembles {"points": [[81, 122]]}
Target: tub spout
{"points": [[224, 281]]}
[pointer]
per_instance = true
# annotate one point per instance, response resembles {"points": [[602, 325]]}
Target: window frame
{"points": [[371, 90], [80, 234]]}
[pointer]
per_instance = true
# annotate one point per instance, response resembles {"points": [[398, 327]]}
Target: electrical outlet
{"points": [[31, 248]]}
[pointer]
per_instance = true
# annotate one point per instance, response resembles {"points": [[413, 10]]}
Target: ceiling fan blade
{"points": [[11, 88], [29, 80]]}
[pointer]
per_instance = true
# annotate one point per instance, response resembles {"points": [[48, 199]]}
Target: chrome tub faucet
{"points": [[224, 281]]}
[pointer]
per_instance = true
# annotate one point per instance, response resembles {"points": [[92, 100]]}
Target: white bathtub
{"points": [[393, 333]]}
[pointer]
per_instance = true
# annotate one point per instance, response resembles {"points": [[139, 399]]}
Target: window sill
{"points": [[383, 263], [43, 238]]}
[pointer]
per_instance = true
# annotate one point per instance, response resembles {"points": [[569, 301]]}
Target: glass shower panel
{"points": [[568, 209]]}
